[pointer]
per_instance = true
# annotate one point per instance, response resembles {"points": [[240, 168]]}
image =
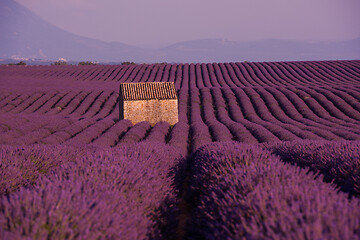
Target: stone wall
{"points": [[152, 111]]}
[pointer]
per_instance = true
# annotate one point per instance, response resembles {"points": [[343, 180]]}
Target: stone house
{"points": [[149, 101]]}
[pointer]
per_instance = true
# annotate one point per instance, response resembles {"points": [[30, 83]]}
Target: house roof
{"points": [[147, 91]]}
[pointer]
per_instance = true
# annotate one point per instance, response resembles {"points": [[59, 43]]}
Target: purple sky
{"points": [[162, 22]]}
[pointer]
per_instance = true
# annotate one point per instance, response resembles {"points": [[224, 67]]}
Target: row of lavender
{"points": [[17, 129], [337, 161], [240, 191], [108, 133], [254, 115], [82, 103], [84, 192], [249, 115], [310, 73], [233, 191], [329, 104], [320, 104]]}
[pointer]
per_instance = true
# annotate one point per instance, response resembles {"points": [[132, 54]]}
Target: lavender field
{"points": [[264, 150]]}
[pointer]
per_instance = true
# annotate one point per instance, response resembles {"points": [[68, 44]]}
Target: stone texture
{"points": [[152, 111], [152, 102]]}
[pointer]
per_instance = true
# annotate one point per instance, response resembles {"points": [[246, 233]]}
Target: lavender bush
{"points": [[22, 166], [112, 135], [159, 132], [179, 137], [338, 161], [136, 133], [241, 191], [103, 193]]}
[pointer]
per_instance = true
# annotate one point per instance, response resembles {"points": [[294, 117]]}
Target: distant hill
{"points": [[220, 50], [25, 35]]}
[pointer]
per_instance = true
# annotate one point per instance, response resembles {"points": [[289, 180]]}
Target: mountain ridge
{"points": [[26, 35]]}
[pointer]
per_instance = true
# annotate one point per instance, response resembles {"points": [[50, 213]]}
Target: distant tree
{"points": [[127, 63], [61, 61], [87, 63], [21, 63]]}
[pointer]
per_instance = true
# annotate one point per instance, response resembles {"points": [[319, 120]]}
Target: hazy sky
{"points": [[158, 22]]}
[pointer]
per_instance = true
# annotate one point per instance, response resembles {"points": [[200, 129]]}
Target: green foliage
{"points": [[86, 63], [21, 63], [61, 61], [127, 63]]}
